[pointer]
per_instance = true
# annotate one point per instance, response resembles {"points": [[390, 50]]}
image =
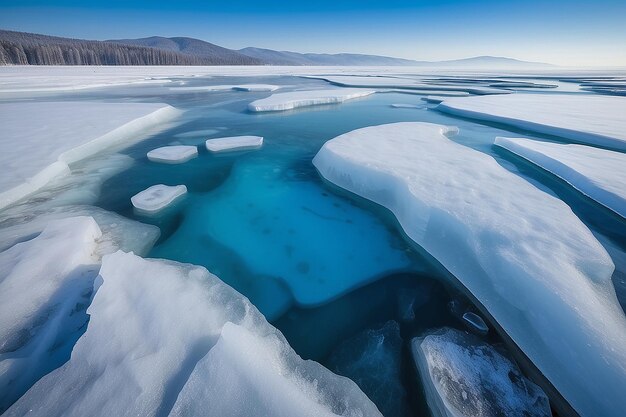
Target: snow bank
{"points": [[597, 173], [464, 377], [39, 140], [592, 119], [522, 253], [291, 100], [173, 154], [234, 143], [157, 197], [171, 339]]}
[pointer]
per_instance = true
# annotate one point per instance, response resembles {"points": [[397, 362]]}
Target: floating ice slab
{"points": [[171, 339], [39, 140], [173, 154], [522, 253], [592, 119], [406, 106], [291, 100], [464, 377], [597, 173], [157, 197], [234, 143]]}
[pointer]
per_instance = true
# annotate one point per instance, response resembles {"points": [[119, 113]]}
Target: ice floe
{"points": [[597, 173], [591, 119], [475, 323], [234, 143], [41, 139], [171, 339], [256, 87], [173, 154], [157, 197], [464, 377], [407, 106], [291, 100], [523, 254]]}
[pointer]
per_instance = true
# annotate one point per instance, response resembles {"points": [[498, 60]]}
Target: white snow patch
{"points": [[173, 154], [234, 143], [530, 261], [157, 197], [464, 377], [40, 140], [172, 339], [597, 173], [591, 119], [291, 100]]}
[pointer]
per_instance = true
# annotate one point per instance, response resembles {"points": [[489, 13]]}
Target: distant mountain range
{"points": [[20, 48]]}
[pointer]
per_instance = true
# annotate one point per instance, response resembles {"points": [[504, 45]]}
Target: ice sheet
{"points": [[524, 255]]}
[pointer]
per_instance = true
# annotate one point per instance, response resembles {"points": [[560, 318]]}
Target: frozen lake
{"points": [[327, 268]]}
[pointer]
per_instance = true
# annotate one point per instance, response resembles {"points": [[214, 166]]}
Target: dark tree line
{"points": [[17, 48]]}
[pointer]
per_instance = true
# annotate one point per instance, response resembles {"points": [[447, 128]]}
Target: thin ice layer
{"points": [[523, 254], [597, 173], [158, 329]]}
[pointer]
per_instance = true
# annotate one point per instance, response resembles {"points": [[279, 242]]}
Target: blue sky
{"points": [[560, 32]]}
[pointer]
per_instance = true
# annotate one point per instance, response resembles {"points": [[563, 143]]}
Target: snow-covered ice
{"points": [[157, 197], [39, 140], [464, 377], [234, 143], [597, 173], [43, 283], [591, 119], [522, 253], [171, 339], [173, 154], [291, 100]]}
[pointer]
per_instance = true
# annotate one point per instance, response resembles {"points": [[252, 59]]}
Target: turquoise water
{"points": [[328, 269]]}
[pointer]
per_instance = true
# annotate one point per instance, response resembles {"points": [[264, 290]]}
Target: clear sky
{"points": [[588, 33]]}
